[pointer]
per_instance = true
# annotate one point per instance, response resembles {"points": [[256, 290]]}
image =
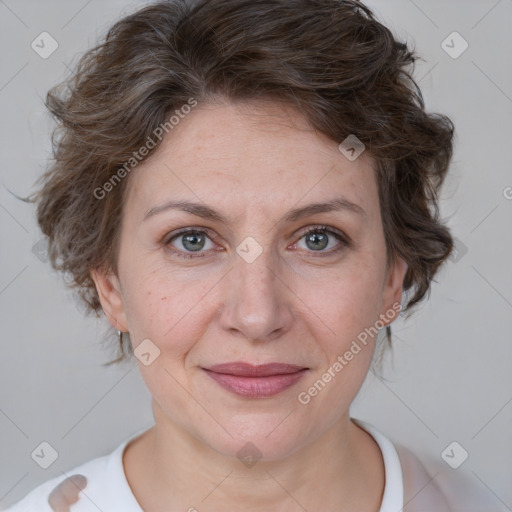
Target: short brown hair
{"points": [[331, 59]]}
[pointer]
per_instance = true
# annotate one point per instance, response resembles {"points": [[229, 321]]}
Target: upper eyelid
{"points": [[321, 227], [190, 229]]}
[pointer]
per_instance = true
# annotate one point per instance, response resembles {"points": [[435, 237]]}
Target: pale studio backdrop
{"points": [[449, 379]]}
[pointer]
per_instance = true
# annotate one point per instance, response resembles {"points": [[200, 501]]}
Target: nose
{"points": [[258, 300]]}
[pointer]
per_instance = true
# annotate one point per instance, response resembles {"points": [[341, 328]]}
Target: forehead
{"points": [[259, 153]]}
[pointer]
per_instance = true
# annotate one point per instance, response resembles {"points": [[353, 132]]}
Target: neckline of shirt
{"points": [[392, 498]]}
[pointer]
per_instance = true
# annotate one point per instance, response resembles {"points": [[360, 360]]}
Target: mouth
{"points": [[262, 381]]}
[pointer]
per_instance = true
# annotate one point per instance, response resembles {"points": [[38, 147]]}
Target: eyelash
{"points": [[345, 241]]}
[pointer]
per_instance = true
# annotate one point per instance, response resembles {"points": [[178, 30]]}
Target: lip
{"points": [[259, 381], [249, 370]]}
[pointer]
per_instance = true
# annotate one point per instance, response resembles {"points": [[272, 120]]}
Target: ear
{"points": [[392, 291], [111, 298]]}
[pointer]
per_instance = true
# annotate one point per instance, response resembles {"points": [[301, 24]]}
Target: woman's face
{"points": [[253, 287]]}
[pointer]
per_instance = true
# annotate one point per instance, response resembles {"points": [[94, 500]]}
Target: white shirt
{"points": [[107, 488]]}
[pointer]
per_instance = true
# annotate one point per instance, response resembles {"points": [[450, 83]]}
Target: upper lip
{"points": [[248, 370]]}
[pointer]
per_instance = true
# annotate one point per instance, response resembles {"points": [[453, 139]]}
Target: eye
{"points": [[190, 241], [197, 242], [320, 238]]}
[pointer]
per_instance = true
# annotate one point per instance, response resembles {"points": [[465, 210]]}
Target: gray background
{"points": [[449, 378]]}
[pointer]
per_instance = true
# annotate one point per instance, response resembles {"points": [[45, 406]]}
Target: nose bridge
{"points": [[257, 276], [257, 303]]}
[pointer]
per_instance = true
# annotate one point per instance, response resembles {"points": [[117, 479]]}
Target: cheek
{"points": [[344, 315], [345, 300], [161, 308], [346, 306], [165, 306]]}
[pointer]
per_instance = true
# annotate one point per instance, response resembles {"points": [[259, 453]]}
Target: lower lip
{"points": [[256, 387]]}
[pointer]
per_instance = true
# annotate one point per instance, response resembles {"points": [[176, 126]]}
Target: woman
{"points": [[247, 190]]}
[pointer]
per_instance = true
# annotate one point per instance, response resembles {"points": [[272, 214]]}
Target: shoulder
{"points": [[421, 491], [85, 487], [441, 489]]}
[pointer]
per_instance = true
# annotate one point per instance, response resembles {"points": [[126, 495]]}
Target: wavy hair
{"points": [[331, 59]]}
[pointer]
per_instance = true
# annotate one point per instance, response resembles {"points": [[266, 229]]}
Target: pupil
{"points": [[193, 239]]}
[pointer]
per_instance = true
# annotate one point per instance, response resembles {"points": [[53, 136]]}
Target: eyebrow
{"points": [[206, 212]]}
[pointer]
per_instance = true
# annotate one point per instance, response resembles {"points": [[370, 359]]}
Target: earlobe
{"points": [[394, 287], [400, 270], [111, 298]]}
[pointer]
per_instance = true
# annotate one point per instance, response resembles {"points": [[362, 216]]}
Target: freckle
{"points": [[163, 298]]}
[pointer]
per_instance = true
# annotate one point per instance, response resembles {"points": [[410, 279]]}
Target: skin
{"points": [[253, 162]]}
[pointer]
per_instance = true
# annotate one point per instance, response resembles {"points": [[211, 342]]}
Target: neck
{"points": [[168, 469]]}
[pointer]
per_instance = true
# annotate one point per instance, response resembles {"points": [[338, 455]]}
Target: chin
{"points": [[264, 436]]}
